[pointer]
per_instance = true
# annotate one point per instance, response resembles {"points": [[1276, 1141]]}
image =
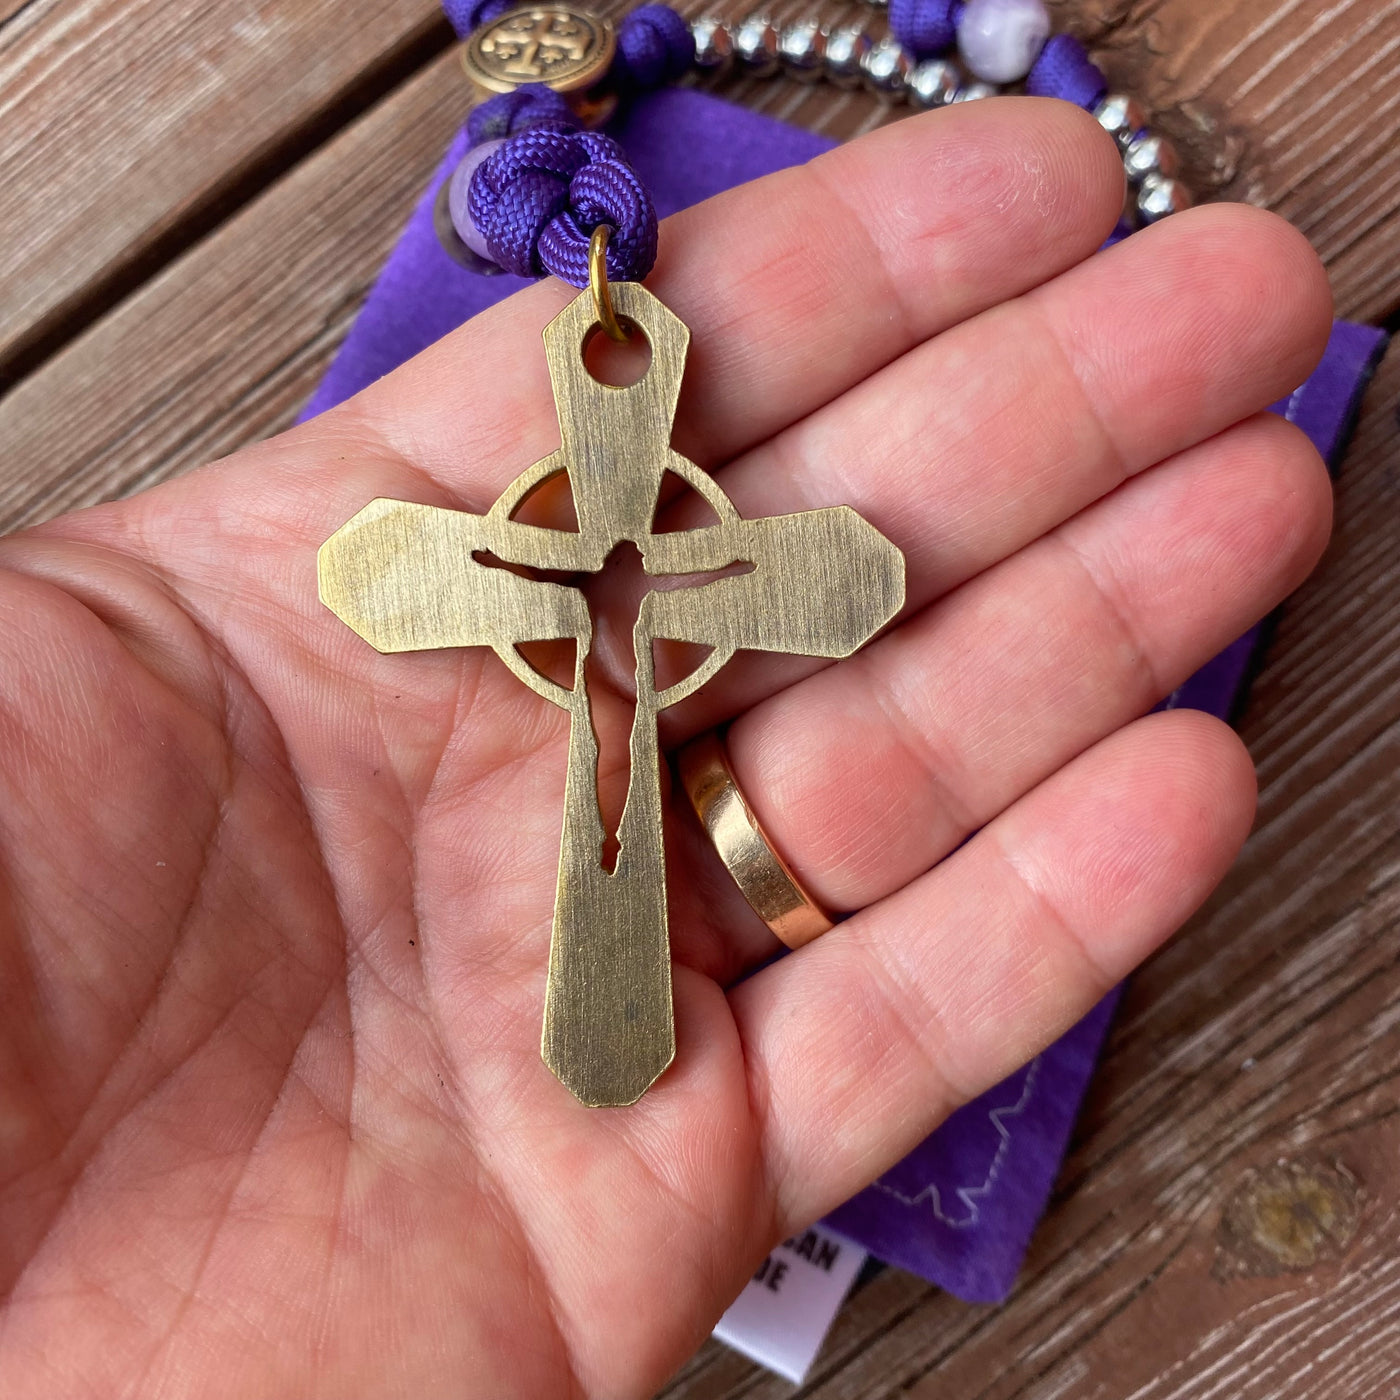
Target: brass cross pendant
{"points": [[404, 577]]}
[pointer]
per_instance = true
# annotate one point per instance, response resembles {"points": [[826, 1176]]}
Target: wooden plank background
{"points": [[196, 198]]}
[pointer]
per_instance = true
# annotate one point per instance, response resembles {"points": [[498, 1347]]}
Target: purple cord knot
{"points": [[1065, 70], [509, 113], [654, 47], [925, 27], [537, 199], [466, 15]]}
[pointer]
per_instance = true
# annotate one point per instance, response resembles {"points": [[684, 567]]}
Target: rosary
{"points": [[541, 192]]}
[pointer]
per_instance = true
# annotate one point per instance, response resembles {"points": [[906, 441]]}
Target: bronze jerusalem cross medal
{"points": [[819, 582]]}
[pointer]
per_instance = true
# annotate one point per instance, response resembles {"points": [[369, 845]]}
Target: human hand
{"points": [[273, 1120]]}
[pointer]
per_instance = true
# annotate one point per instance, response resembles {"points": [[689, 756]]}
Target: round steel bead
{"points": [[974, 92], [846, 47], [714, 45], [802, 48], [1159, 196], [934, 83], [1150, 155], [1121, 117], [886, 68], [756, 47]]}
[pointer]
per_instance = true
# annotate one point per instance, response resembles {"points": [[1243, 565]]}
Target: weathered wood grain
{"points": [[129, 127], [227, 343], [1293, 106], [314, 241], [1290, 104]]}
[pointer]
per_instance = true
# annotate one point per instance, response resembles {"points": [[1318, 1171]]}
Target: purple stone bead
{"points": [[1000, 39], [458, 189]]}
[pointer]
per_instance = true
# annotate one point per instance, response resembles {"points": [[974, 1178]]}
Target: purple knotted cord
{"points": [[466, 15], [925, 27], [1064, 70], [1121, 230], [510, 113], [654, 47], [537, 200]]}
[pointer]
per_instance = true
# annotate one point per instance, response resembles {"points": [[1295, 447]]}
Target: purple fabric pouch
{"points": [[959, 1210]]}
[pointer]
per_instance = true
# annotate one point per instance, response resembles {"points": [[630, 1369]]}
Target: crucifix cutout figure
{"points": [[408, 577]]}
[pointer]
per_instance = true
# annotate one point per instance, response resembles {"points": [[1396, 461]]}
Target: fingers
{"points": [[861, 1043], [795, 287], [869, 773], [976, 443]]}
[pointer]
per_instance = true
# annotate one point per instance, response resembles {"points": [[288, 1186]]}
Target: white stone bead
{"points": [[457, 192], [1000, 39]]}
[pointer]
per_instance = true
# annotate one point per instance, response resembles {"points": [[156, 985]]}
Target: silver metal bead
{"points": [[1159, 196], [1150, 155], [1121, 116], [886, 68], [846, 47], [756, 47], [802, 48], [934, 83], [974, 92], [714, 44]]}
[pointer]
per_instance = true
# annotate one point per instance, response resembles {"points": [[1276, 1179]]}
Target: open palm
{"points": [[276, 908]]}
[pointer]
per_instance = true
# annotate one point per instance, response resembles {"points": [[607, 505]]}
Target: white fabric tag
{"points": [[783, 1314]]}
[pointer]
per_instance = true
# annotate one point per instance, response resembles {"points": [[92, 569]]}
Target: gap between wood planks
{"points": [[68, 320], [1208, 123]]}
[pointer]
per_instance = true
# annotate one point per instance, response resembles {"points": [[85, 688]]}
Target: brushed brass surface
{"points": [[405, 577], [567, 49], [764, 878]]}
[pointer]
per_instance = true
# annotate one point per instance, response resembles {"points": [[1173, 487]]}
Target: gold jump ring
{"points": [[598, 284]]}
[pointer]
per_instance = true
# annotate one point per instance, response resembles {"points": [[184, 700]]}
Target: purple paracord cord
{"points": [[654, 47], [1064, 70], [466, 15], [510, 113], [536, 200], [925, 27]]}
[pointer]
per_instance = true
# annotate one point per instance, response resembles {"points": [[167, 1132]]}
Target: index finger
{"points": [[795, 287]]}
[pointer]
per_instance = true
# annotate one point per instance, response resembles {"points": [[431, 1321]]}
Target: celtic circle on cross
{"points": [[407, 577]]}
